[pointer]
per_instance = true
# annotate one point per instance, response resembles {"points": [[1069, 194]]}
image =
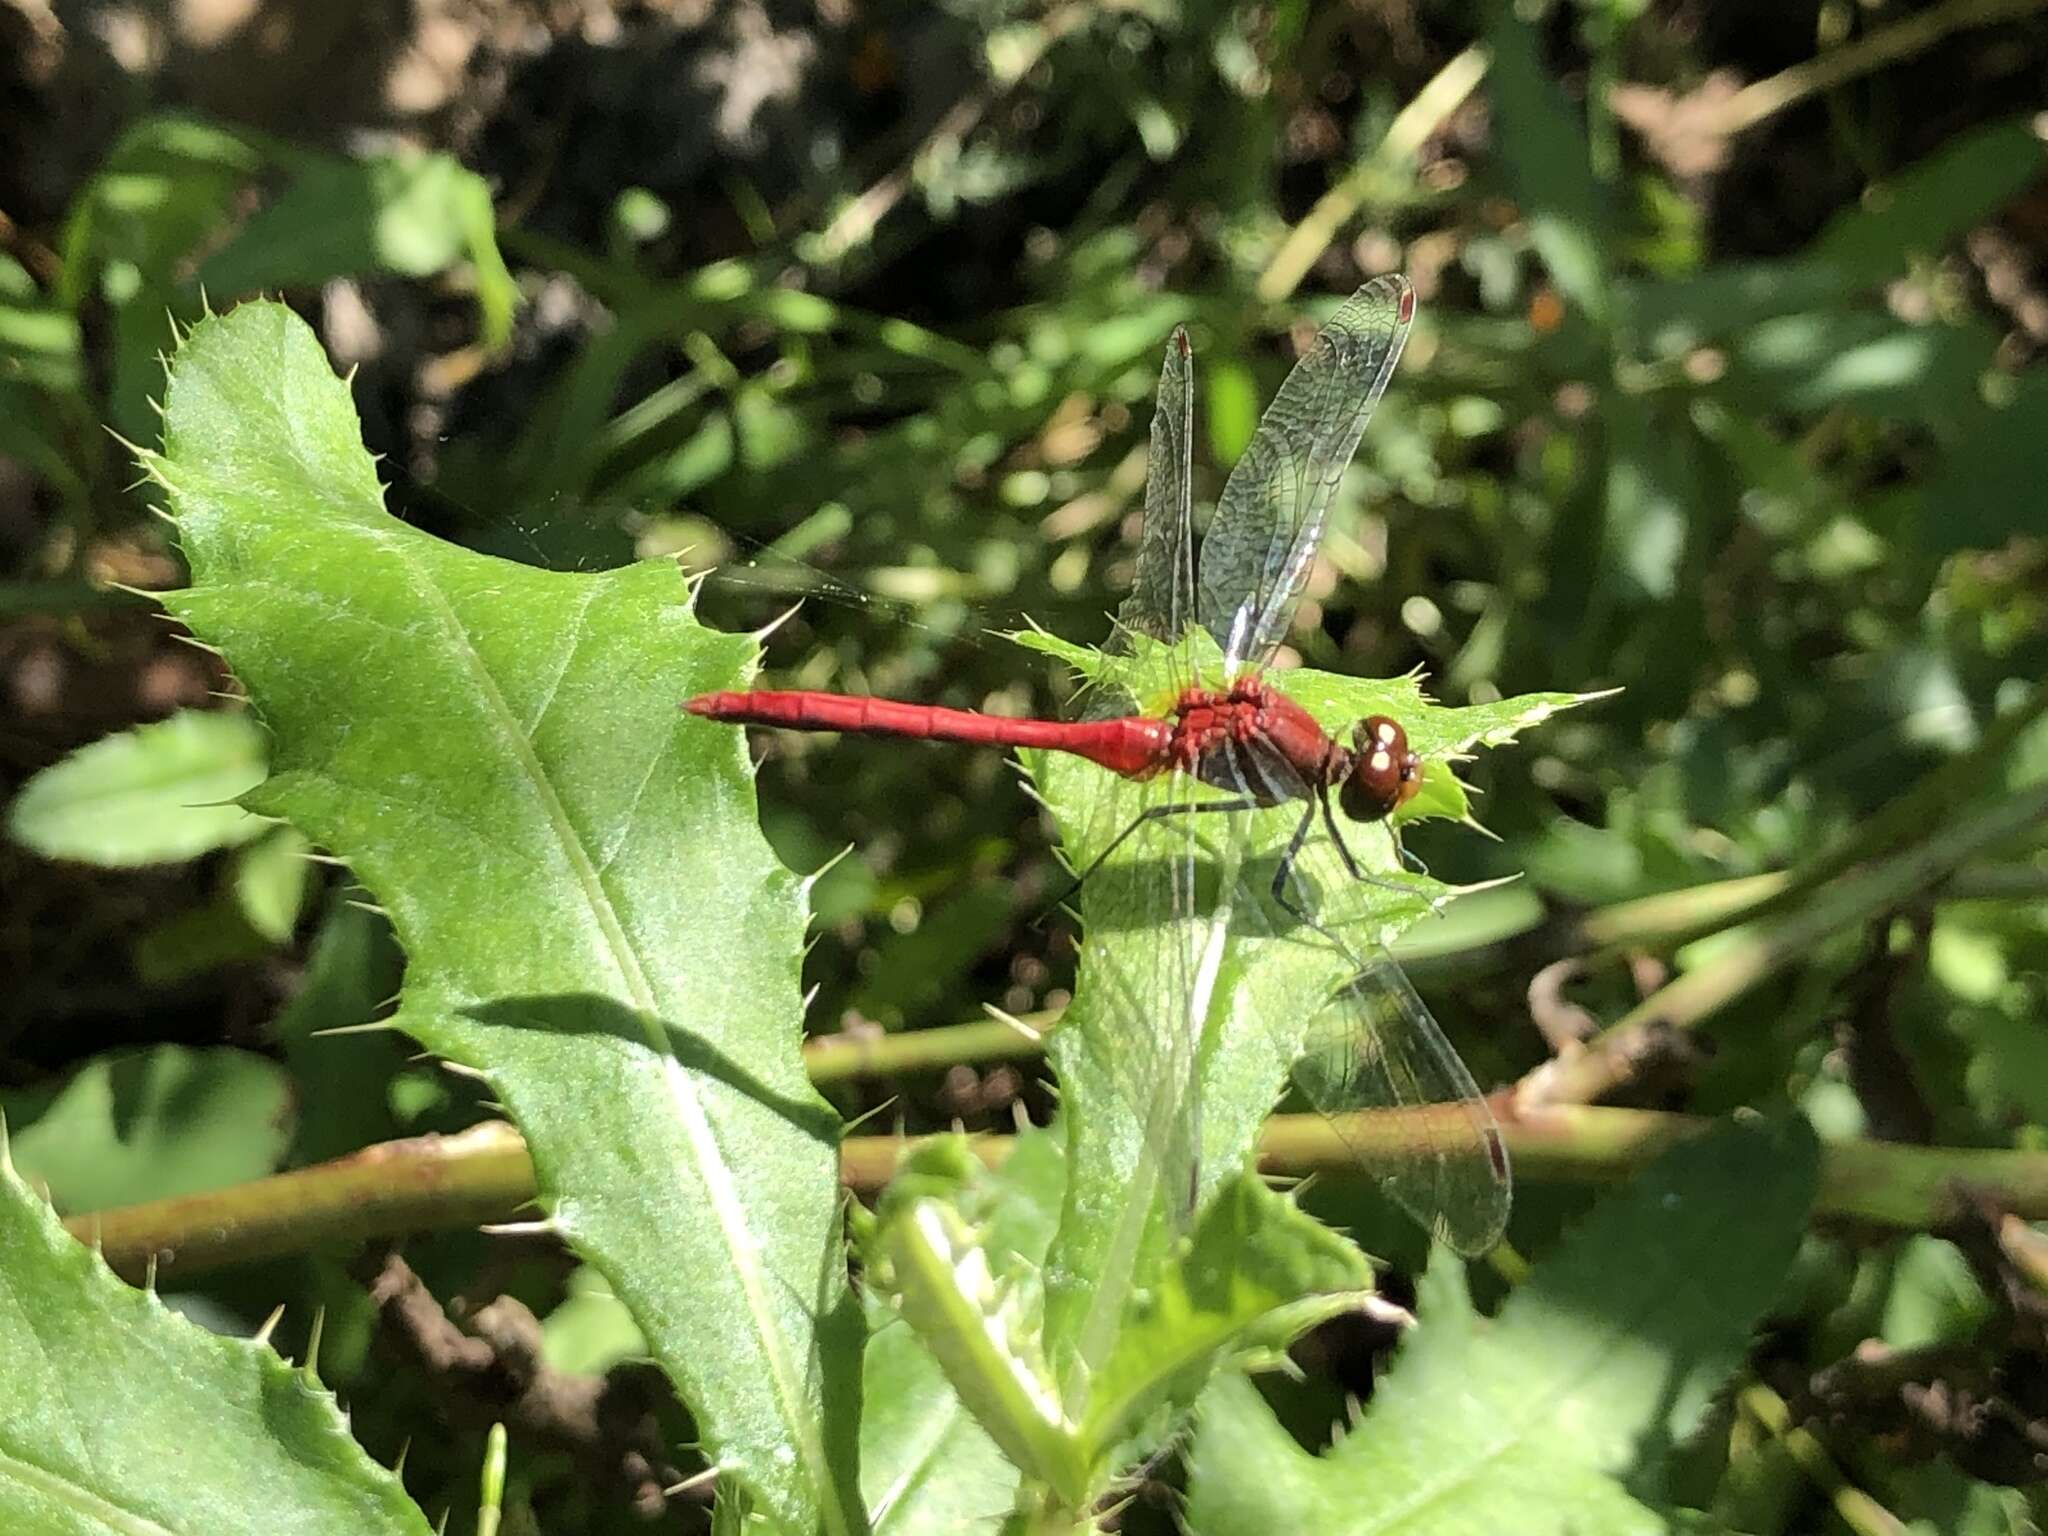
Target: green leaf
{"points": [[1918, 213], [1989, 488], [928, 1468], [1936, 200], [150, 1125], [1258, 1273], [271, 877], [166, 187], [1542, 143], [120, 1417], [153, 794], [415, 215], [1817, 359], [344, 1081], [591, 920], [1650, 491], [1271, 981], [196, 940], [1530, 1422]]}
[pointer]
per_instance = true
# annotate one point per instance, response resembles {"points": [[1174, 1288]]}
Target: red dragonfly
{"points": [[1371, 1043]]}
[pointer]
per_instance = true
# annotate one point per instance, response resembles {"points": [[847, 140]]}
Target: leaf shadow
{"points": [[591, 1013]]}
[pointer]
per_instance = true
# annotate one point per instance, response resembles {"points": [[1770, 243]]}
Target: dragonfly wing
{"points": [[1258, 552], [1162, 602], [1434, 1145], [1370, 1057]]}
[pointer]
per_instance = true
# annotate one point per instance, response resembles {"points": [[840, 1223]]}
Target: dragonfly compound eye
{"points": [[1384, 775]]}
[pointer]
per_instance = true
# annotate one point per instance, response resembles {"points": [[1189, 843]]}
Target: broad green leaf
{"points": [[152, 1124], [153, 794], [1258, 1273], [121, 1418], [1532, 1422], [590, 919]]}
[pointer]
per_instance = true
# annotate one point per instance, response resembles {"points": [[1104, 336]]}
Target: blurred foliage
{"points": [[1731, 401]]}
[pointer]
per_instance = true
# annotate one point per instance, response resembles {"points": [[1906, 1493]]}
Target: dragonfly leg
{"points": [[1155, 813], [1343, 848], [1408, 860], [1283, 877]]}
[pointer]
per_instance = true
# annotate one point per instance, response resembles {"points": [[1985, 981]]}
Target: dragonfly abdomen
{"points": [[1135, 746]]}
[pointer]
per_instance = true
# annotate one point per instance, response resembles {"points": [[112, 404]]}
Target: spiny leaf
{"points": [[1271, 981], [120, 1417], [1592, 1371], [1258, 1272], [589, 917]]}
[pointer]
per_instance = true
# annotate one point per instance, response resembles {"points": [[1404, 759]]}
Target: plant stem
{"points": [[1838, 66], [1423, 116], [482, 1175], [1655, 924], [1857, 1509], [1765, 948]]}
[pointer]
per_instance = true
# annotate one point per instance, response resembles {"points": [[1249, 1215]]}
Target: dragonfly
{"points": [[1230, 747]]}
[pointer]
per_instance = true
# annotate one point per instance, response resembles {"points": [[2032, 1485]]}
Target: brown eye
{"points": [[1384, 773]]}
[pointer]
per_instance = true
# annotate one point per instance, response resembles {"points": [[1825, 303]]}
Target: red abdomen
{"points": [[1135, 746]]}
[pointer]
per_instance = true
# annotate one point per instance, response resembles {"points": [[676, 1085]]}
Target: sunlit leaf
{"points": [[151, 1124], [589, 917], [152, 794], [120, 1417], [1532, 1421]]}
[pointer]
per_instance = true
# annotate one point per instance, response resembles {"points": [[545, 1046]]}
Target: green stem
{"points": [[482, 1175], [423, 1182], [1654, 924], [1766, 947], [1433, 104], [1857, 1509]]}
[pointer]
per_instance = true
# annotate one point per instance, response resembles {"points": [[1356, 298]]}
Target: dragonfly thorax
{"points": [[1384, 773]]}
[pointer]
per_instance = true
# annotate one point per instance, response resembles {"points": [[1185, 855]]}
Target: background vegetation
{"points": [[1726, 393]]}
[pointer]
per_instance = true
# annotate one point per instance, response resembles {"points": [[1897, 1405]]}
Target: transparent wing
{"points": [[1257, 554], [1128, 1050], [1162, 600], [1376, 1064], [1369, 1056]]}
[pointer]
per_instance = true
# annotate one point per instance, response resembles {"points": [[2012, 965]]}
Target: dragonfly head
{"points": [[1384, 774]]}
